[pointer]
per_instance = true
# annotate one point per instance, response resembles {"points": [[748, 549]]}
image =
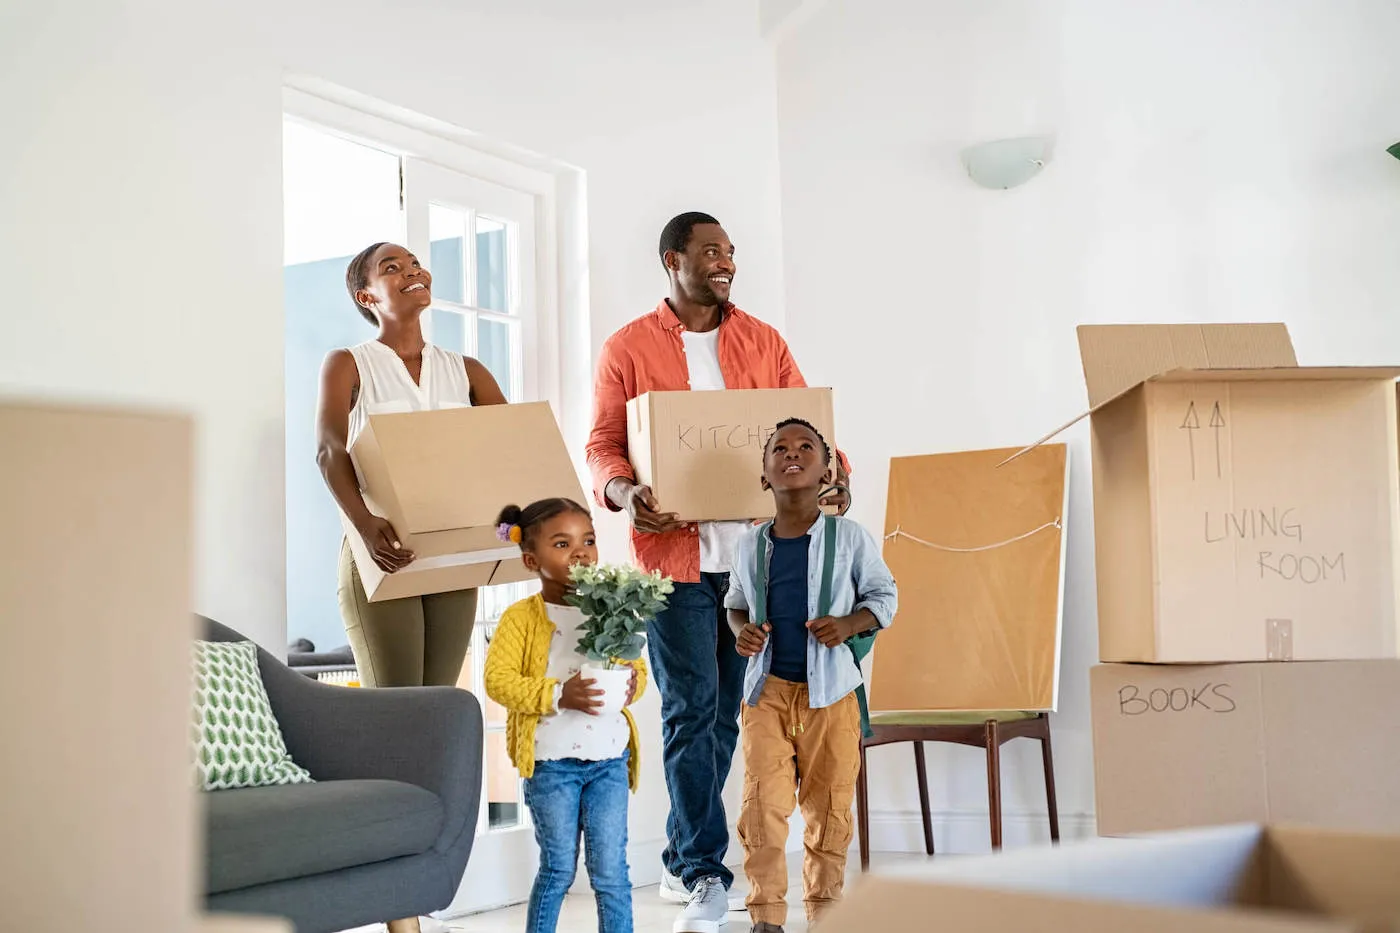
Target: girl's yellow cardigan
{"points": [[515, 678]]}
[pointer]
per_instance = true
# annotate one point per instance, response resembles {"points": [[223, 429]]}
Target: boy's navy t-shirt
{"points": [[787, 607]]}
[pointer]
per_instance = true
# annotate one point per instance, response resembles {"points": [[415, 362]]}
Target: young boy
{"points": [[801, 718]]}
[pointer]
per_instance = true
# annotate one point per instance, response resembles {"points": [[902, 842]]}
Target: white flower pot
{"points": [[613, 683]]}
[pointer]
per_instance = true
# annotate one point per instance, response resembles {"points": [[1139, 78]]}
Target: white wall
{"points": [[1214, 162], [140, 244], [142, 212]]}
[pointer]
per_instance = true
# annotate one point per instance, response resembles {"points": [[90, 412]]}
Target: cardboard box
{"points": [[1245, 508], [96, 598], [702, 452], [978, 553], [442, 477], [1235, 879], [1311, 743]]}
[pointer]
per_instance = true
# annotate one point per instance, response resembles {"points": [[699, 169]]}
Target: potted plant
{"points": [[617, 603]]}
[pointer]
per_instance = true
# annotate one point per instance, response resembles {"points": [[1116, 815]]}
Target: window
{"points": [[479, 239]]}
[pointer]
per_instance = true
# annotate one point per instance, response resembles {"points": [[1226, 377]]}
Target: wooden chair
{"points": [[987, 730]]}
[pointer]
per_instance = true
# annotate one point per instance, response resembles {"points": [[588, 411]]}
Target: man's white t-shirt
{"points": [[717, 539]]}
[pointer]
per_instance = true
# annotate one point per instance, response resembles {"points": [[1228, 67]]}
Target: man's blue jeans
{"points": [[566, 798], [701, 677]]}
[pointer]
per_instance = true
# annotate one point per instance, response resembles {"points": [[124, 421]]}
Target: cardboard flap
{"points": [[898, 906], [1282, 374], [1336, 874], [1229, 878], [1117, 357], [1048, 437], [1211, 867]]}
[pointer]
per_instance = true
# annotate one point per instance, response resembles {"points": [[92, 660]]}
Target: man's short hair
{"points": [[676, 234]]}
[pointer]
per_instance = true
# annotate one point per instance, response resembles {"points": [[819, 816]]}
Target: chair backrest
{"points": [[216, 631], [286, 689], [274, 671]]}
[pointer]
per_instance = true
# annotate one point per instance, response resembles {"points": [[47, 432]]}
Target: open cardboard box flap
{"points": [[1228, 879], [1118, 358]]}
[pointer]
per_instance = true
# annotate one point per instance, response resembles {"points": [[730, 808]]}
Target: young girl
{"points": [[578, 764], [801, 715]]}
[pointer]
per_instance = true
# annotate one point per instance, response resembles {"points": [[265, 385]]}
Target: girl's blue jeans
{"points": [[569, 799]]}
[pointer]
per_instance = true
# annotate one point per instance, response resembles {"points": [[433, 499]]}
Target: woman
{"points": [[420, 640]]}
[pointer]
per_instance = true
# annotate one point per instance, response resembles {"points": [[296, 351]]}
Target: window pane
{"points": [[493, 601], [339, 197], [494, 341], [449, 329], [502, 784], [447, 231], [466, 678], [492, 257]]}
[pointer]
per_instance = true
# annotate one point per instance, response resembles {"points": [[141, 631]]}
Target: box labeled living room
{"points": [[1245, 508]]}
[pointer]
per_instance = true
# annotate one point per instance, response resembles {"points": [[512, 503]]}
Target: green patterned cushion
{"points": [[237, 742]]}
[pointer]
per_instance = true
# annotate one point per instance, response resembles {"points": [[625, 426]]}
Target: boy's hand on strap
{"points": [[579, 695], [832, 631], [752, 638], [631, 688]]}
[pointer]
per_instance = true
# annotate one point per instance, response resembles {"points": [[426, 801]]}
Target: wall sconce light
{"points": [[1006, 163]]}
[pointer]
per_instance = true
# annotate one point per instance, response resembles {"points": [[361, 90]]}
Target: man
{"points": [[695, 339]]}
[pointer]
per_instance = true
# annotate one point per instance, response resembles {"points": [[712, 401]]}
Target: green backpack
{"points": [[860, 645]]}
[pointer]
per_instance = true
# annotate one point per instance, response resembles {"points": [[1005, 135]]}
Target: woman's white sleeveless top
{"points": [[386, 386]]}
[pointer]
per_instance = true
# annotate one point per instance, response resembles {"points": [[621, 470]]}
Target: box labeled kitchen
{"points": [[702, 452]]}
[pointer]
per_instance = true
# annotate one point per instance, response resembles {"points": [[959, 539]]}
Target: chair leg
{"points": [[921, 768], [993, 740], [1050, 784], [863, 812]]}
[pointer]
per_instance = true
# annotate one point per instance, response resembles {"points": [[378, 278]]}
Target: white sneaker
{"points": [[706, 911], [432, 925], [673, 890]]}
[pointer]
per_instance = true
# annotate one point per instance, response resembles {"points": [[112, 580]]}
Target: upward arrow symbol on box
{"points": [[1217, 421], [1191, 424]]}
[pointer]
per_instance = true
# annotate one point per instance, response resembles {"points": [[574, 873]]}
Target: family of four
{"points": [[759, 621]]}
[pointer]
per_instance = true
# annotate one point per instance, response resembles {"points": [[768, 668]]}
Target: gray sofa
{"points": [[386, 830]]}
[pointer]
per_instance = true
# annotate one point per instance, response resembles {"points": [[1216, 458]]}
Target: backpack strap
{"points": [[760, 576], [828, 567]]}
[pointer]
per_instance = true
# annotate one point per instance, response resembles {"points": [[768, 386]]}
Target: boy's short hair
{"points": [[799, 422]]}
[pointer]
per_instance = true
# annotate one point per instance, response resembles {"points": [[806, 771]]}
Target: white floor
{"points": [[653, 915]]}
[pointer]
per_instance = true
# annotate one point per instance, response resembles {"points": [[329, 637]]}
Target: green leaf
{"points": [[617, 603]]}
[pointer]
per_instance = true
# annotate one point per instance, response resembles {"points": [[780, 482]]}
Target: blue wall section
{"points": [[319, 318]]}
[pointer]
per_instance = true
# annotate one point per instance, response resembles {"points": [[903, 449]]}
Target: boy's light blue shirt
{"points": [[860, 580]]}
